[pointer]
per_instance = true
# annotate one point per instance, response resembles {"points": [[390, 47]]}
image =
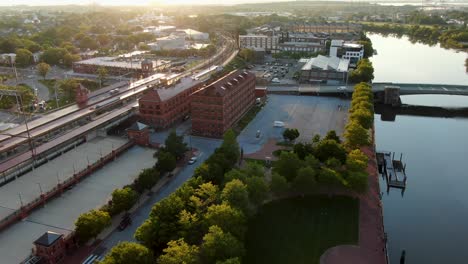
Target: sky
{"points": [[124, 2]]}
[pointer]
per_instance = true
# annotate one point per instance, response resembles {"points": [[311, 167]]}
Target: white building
{"points": [[159, 30], [346, 50], [264, 42], [171, 42], [195, 35], [7, 58], [332, 70]]}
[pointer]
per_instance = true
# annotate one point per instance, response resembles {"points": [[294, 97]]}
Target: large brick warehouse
{"points": [[216, 107]]}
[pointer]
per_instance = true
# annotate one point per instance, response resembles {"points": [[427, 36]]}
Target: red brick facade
{"points": [[216, 107], [162, 107]]}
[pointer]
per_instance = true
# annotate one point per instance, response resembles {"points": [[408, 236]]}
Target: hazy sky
{"points": [[125, 2]]}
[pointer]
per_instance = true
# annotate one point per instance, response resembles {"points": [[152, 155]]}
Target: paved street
{"points": [[205, 147], [309, 114]]}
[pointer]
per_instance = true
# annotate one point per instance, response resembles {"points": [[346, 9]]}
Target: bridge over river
{"points": [[405, 88]]}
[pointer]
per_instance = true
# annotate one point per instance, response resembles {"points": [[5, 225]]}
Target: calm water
{"points": [[430, 221], [398, 60]]}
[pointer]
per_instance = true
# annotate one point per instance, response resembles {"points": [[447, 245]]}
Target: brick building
{"points": [[161, 107], [216, 107], [50, 247]]}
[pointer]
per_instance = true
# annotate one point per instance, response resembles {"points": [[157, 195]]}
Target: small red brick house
{"points": [[139, 133], [50, 247]]}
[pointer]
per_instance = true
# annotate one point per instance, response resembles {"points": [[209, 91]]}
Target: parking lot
{"points": [[309, 114], [278, 71]]}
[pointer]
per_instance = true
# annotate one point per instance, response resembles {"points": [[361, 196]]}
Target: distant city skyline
{"points": [[167, 2]]}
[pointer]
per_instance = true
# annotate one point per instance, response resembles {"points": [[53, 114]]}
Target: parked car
{"points": [[278, 124], [126, 221], [341, 88], [192, 160], [275, 80]]}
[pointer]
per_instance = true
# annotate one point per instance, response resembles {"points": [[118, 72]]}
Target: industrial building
{"points": [[117, 66], [216, 107], [328, 28], [264, 42], [347, 50], [171, 42], [302, 42], [322, 69]]}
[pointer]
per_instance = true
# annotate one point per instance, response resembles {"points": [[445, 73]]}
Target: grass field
{"points": [[299, 230]]}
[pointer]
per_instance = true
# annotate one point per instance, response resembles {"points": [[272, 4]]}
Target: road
{"points": [[205, 147]]}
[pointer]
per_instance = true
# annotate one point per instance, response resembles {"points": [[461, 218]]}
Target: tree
{"points": [[235, 174], [230, 261], [364, 117], [332, 135], [312, 162], [279, 184], [42, 69], [368, 49], [102, 74], [247, 54], [356, 161], [128, 252], [230, 147], [54, 56], [235, 194], [175, 145], [363, 73], [290, 134], [228, 218], [166, 161], [305, 181], [88, 43], [69, 59], [357, 181], [90, 224], [258, 190], [328, 148], [23, 57], [219, 246], [303, 149], [355, 135], [287, 165], [177, 252], [147, 179], [123, 199], [68, 87], [253, 169], [329, 177]]}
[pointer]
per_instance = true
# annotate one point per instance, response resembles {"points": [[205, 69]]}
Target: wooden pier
{"points": [[393, 170]]}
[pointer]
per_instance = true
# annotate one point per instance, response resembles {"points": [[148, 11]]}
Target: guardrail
{"points": [[61, 187]]}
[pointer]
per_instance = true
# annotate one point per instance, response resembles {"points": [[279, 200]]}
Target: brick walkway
{"points": [[371, 249], [266, 151]]}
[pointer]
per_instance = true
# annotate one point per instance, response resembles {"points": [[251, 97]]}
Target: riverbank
{"points": [[372, 243]]}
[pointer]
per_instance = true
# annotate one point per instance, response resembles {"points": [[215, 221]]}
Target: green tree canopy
{"points": [[356, 161], [291, 134], [355, 135], [147, 179], [220, 246], [364, 117], [357, 181], [175, 145], [166, 161], [279, 184], [235, 194], [24, 57], [128, 252], [328, 148], [363, 73], [90, 224], [287, 165], [42, 69], [123, 199], [179, 252], [227, 218], [230, 147], [305, 181], [258, 190], [333, 136]]}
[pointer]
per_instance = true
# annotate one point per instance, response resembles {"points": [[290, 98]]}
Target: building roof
{"points": [[119, 62], [222, 86], [48, 239], [342, 43], [137, 126], [327, 63]]}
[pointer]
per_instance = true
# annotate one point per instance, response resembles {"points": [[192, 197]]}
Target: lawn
{"points": [[299, 230]]}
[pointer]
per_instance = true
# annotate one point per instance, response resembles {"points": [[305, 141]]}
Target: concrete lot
{"points": [[309, 114], [60, 214], [46, 177]]}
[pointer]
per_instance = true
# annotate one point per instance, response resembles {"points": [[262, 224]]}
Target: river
{"points": [[430, 220]]}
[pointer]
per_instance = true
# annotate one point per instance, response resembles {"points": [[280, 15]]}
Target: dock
{"points": [[393, 170]]}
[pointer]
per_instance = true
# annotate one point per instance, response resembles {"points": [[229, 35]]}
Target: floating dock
{"points": [[393, 170]]}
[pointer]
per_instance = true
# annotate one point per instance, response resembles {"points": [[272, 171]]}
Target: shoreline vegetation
{"points": [[449, 38]]}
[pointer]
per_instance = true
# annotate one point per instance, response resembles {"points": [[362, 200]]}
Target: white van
{"points": [[275, 80], [278, 124]]}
